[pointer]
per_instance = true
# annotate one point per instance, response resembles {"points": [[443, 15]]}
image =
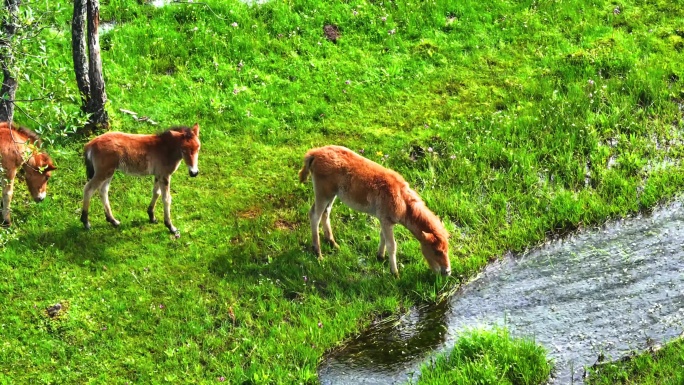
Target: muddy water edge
{"points": [[607, 291]]}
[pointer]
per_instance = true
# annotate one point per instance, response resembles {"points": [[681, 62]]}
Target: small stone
{"points": [[332, 32], [53, 310]]}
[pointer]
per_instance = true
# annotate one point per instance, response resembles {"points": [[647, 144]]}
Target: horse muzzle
{"points": [[193, 173], [445, 271], [40, 197]]}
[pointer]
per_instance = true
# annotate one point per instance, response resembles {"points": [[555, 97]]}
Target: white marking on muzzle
{"points": [[42, 195], [194, 169]]}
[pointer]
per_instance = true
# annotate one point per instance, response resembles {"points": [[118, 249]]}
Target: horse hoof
{"points": [[150, 214], [84, 220], [176, 234], [6, 224], [172, 228], [381, 258], [114, 222]]}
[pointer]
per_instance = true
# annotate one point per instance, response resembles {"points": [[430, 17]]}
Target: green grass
{"points": [[659, 368], [486, 107], [489, 357]]}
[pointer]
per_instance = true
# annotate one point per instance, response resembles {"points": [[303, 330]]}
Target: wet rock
{"points": [[53, 311], [331, 32]]}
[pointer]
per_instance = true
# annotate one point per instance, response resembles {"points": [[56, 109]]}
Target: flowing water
{"points": [[105, 27], [161, 3], [607, 291]]}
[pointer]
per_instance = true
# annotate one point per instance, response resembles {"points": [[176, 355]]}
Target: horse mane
{"points": [[185, 130], [32, 136], [422, 217]]}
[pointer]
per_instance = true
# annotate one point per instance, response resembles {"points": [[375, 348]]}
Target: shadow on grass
{"points": [[77, 244], [297, 271], [292, 268]]}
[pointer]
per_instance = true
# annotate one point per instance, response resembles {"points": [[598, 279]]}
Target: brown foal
{"points": [[19, 149], [369, 187], [158, 155]]}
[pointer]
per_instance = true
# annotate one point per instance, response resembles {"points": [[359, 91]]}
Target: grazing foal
{"points": [[158, 155], [366, 186], [18, 149]]}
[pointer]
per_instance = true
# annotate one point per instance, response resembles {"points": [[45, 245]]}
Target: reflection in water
{"points": [[392, 343], [608, 291]]}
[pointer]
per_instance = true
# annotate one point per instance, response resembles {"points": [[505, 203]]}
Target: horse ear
{"points": [[49, 166], [429, 237], [195, 129]]}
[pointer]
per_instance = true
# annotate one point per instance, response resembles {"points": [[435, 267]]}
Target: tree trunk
{"points": [[78, 50], [85, 50], [9, 83], [98, 96]]}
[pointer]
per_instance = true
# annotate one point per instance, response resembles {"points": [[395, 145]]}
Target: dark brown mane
{"points": [[185, 130], [423, 217], [32, 136]]}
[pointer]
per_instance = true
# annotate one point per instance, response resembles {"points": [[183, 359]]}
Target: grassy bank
{"points": [[513, 120], [661, 367]]}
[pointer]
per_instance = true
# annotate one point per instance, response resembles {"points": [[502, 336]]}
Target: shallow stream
{"points": [[610, 290]]}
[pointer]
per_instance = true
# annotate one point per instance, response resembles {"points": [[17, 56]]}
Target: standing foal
{"points": [[366, 186], [158, 155], [18, 150]]}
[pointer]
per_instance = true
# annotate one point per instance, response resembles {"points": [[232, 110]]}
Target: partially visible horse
{"points": [[158, 155], [20, 149], [369, 187]]}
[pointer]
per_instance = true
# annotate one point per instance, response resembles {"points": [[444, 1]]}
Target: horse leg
{"points": [[166, 198], [381, 247], [104, 195], [315, 219], [388, 232], [156, 192], [88, 192], [7, 191], [327, 230], [315, 215]]}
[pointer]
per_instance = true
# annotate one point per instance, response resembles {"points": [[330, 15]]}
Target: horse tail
{"points": [[90, 170], [304, 172]]}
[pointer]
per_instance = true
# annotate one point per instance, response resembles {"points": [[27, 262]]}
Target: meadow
{"points": [[515, 121]]}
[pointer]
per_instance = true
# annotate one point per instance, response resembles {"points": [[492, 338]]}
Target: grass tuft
{"points": [[489, 357]]}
